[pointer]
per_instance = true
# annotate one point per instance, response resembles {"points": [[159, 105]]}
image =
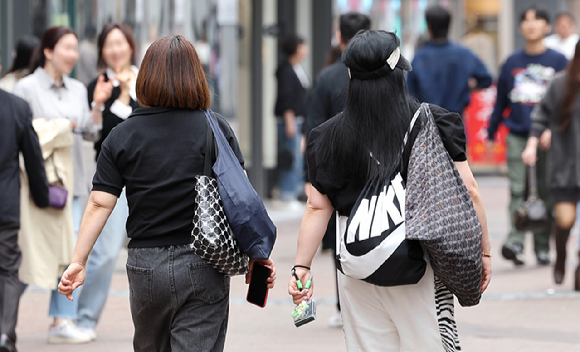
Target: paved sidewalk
{"points": [[521, 311]]}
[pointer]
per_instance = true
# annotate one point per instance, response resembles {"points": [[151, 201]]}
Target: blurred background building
{"points": [[237, 41]]}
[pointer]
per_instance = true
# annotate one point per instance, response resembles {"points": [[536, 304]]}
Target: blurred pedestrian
{"points": [[343, 155], [522, 84], [87, 67], [290, 110], [327, 100], [564, 38], [116, 49], [559, 113], [16, 136], [443, 72], [24, 49], [179, 302], [62, 118]]}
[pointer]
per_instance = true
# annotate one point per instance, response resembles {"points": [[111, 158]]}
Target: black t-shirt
{"points": [[329, 178], [156, 154]]}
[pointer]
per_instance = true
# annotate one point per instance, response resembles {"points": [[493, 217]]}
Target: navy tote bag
{"points": [[244, 208]]}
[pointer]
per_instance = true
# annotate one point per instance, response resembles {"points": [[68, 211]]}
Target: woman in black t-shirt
{"points": [[364, 143], [178, 301]]}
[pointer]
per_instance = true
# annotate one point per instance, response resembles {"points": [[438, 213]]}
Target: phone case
{"points": [[248, 298]]}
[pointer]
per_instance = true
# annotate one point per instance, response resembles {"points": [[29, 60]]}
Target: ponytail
{"points": [[37, 60]]}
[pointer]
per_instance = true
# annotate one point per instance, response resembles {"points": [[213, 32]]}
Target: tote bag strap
{"points": [[412, 125], [210, 151], [223, 149]]}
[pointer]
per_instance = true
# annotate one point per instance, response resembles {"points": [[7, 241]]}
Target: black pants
{"points": [[10, 258]]}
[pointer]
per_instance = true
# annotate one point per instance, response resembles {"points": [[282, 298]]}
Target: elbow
{"points": [[473, 190]]}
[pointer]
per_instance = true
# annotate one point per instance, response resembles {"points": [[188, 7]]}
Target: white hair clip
{"points": [[393, 60]]}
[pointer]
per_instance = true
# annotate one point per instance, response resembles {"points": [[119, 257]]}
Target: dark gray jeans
{"points": [[178, 301]]}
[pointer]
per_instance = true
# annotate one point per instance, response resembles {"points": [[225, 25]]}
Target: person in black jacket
{"points": [[16, 135], [290, 110], [329, 93]]}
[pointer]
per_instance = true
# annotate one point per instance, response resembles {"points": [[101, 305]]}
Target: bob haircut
{"points": [[107, 28], [171, 75]]}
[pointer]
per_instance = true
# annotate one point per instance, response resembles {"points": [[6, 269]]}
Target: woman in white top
{"points": [[53, 95]]}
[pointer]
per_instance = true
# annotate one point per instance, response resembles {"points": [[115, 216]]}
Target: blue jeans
{"points": [[178, 301], [101, 265], [60, 306], [290, 181]]}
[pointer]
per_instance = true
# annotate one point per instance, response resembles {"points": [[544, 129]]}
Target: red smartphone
{"points": [[258, 290]]}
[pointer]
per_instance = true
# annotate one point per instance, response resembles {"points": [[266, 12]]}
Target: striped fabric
{"points": [[446, 317]]}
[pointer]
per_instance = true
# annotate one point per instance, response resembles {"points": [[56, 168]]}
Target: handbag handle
{"points": [[210, 151], [56, 170], [532, 183]]}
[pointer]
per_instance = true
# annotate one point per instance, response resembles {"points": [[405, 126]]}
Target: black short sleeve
{"points": [[107, 176], [452, 131], [311, 153]]}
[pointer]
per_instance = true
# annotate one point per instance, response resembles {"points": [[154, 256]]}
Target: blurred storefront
{"points": [[237, 41]]}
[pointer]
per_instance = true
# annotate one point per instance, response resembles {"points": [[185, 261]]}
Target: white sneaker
{"points": [[89, 331], [67, 332], [335, 321]]}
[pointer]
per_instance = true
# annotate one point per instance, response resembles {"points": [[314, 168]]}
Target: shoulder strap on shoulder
{"points": [[209, 150], [412, 124]]}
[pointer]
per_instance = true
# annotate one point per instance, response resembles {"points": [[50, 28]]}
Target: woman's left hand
{"points": [[125, 79], [73, 277], [546, 139], [267, 262], [486, 273]]}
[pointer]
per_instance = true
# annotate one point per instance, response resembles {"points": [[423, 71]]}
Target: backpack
{"points": [[371, 241]]}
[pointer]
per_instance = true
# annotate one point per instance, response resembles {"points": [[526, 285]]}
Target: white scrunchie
{"points": [[393, 59]]}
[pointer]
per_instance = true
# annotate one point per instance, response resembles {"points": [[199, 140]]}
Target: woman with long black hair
{"points": [[559, 112], [24, 50], [358, 145]]}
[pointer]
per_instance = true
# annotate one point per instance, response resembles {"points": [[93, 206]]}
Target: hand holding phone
{"points": [[258, 290]]}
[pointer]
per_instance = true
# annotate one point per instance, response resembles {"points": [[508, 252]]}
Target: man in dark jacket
{"points": [[443, 72], [16, 135], [329, 93], [327, 100]]}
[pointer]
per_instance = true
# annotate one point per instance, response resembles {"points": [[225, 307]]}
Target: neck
{"points": [[565, 37], [121, 68], [293, 60], [53, 73], [535, 47], [438, 40]]}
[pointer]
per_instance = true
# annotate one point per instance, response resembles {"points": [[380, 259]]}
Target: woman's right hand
{"points": [[103, 90], [73, 277], [530, 155], [297, 295]]}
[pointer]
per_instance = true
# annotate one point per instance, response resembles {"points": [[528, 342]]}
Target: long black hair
{"points": [[366, 140], [572, 88], [24, 50]]}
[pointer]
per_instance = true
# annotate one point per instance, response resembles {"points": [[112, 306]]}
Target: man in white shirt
{"points": [[565, 38]]}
